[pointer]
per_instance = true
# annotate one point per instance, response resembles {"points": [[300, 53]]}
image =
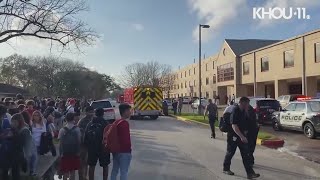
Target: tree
{"points": [[52, 76], [54, 20], [167, 83], [149, 74]]}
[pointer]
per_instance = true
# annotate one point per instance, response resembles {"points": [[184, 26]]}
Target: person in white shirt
{"points": [[70, 108]]}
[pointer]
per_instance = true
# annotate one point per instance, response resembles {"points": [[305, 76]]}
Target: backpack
{"points": [[69, 142], [93, 135], [110, 137], [225, 124]]}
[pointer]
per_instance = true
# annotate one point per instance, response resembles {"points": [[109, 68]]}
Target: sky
{"points": [[166, 30]]}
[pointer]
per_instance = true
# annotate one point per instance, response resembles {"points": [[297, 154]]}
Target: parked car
{"points": [[299, 115], [186, 100], [285, 99], [109, 112], [264, 107], [196, 103], [169, 102]]}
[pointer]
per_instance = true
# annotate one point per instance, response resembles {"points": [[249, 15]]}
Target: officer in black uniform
{"points": [[252, 133], [237, 137]]}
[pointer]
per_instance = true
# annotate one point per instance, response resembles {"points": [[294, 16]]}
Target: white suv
{"points": [[109, 112]]}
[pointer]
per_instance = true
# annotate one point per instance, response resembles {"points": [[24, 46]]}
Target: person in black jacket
{"points": [[252, 133], [22, 142]]}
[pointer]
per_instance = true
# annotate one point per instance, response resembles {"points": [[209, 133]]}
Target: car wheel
{"points": [[276, 126], [153, 117], [309, 131]]}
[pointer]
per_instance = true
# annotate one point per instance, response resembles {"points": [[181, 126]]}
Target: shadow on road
{"points": [[297, 175]]}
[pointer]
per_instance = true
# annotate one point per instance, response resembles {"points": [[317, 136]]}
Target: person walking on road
{"points": [[239, 138], [70, 139], [122, 159], [212, 109], [175, 106], [82, 124], [252, 133], [93, 142], [180, 105]]}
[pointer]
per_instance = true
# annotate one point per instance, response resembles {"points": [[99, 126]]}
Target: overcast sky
{"points": [[166, 30]]}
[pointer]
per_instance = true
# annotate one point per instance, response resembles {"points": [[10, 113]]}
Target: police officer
{"points": [[212, 109], [252, 133], [237, 137]]}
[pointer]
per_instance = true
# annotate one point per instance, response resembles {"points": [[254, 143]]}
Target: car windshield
{"points": [[315, 106], [268, 103], [101, 104]]}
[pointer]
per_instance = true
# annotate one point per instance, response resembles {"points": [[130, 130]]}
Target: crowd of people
{"points": [[31, 128]]}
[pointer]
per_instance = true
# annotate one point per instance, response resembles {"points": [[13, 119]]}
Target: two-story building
{"points": [[254, 67]]}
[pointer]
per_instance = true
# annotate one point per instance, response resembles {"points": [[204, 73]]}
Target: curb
{"points": [[275, 143]]}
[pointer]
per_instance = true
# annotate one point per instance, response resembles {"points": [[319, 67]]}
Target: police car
{"points": [[302, 115]]}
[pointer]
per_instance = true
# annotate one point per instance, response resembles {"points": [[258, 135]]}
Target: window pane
{"points": [[246, 68], [317, 49], [264, 64], [300, 107], [290, 107], [288, 59], [225, 72]]}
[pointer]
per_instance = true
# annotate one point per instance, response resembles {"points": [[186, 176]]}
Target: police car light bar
{"points": [[304, 98]]}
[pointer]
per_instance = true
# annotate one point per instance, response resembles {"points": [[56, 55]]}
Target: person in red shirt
{"points": [[122, 159], [30, 109]]}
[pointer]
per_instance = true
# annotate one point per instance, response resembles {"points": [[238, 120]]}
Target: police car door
{"points": [[285, 115], [299, 114]]}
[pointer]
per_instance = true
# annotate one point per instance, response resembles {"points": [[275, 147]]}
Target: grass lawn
{"points": [[195, 117], [266, 136]]}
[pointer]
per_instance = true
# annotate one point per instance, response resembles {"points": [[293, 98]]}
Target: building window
{"points": [[214, 79], [225, 72], [206, 67], [207, 81], [178, 86], [194, 70], [213, 64], [194, 83], [189, 72], [317, 52], [181, 85], [246, 68], [195, 94], [288, 59], [207, 95], [181, 75], [185, 84], [264, 64], [185, 74]]}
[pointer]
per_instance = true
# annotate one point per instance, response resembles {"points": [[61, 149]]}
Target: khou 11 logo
{"points": [[280, 13]]}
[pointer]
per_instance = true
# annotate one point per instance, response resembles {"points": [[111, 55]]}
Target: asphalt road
{"points": [[168, 149], [296, 143]]}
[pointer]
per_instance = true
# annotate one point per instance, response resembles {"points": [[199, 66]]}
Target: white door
{"points": [[299, 114], [285, 116]]}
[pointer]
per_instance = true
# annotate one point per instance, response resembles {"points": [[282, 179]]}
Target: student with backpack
{"points": [[93, 142], [70, 139], [22, 146], [82, 124], [117, 140]]}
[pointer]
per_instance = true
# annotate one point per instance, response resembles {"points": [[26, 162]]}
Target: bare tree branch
{"points": [[54, 20]]}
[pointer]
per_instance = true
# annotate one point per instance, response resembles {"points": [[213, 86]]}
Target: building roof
{"points": [[241, 46], [9, 89]]}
